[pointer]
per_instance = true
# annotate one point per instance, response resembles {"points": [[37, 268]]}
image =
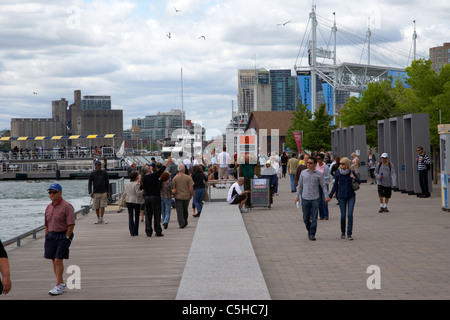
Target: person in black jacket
{"points": [[152, 189], [345, 194], [98, 188]]}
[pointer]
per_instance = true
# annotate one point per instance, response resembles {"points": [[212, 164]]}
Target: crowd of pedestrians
{"points": [[152, 193]]}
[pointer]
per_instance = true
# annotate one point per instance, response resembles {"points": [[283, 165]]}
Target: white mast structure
{"points": [[414, 40], [313, 61]]}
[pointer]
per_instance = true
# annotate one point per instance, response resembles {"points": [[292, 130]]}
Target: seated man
{"points": [[236, 196]]}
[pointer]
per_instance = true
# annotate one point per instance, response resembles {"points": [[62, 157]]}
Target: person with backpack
{"points": [[386, 180], [423, 166]]}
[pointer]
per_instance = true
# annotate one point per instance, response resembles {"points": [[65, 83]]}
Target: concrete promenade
{"points": [[410, 245]]}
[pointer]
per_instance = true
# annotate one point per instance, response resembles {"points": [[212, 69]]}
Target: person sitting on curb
{"points": [[237, 196]]}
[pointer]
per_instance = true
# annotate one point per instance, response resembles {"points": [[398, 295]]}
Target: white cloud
{"points": [[120, 48]]}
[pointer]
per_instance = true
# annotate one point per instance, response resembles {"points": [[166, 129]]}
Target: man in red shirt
{"points": [[59, 225]]}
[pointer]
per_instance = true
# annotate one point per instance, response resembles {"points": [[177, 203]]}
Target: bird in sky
{"points": [[284, 23], [34, 92], [169, 35], [176, 10], [202, 37]]}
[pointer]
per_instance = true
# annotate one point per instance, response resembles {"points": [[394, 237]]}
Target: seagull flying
{"points": [[283, 24], [34, 92], [176, 10], [168, 35], [202, 37]]}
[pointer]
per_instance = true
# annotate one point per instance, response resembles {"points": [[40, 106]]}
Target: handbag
{"points": [[122, 203], [355, 185]]}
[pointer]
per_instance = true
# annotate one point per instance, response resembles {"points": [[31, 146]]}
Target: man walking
{"points": [[386, 180], [98, 188], [59, 225], [308, 190], [183, 190], [152, 191], [423, 164], [292, 168]]}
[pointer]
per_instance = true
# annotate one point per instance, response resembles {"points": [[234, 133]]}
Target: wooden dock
{"points": [[113, 265]]}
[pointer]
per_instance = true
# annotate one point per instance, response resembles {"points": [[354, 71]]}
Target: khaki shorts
{"points": [[223, 172], [100, 201]]}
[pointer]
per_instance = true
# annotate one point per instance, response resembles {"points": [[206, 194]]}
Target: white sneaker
{"points": [[243, 210], [57, 290]]}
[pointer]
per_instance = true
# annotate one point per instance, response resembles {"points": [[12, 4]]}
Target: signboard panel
{"points": [[260, 193]]}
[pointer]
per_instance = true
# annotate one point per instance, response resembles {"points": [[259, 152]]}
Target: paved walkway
{"points": [[410, 245]]}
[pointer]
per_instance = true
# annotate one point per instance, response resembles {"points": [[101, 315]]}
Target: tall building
{"points": [[254, 90], [285, 90], [439, 56], [70, 120], [159, 126]]}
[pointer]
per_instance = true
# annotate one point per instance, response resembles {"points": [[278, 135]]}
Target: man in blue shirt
{"points": [[308, 189]]}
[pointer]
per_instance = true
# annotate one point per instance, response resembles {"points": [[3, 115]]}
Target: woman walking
{"points": [[200, 179], [133, 199], [345, 195], [166, 198]]}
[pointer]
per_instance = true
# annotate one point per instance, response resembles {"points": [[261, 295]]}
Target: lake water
{"points": [[23, 203]]}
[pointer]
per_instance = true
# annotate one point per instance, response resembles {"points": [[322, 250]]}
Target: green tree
{"points": [[300, 122], [377, 102], [316, 132], [319, 133]]}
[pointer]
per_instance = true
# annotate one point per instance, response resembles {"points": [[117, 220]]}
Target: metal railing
{"points": [[116, 189], [58, 153]]}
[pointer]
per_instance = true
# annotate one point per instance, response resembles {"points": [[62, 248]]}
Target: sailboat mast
{"points": [[182, 104]]}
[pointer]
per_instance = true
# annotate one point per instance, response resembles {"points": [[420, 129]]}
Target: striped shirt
{"points": [[422, 161], [309, 183]]}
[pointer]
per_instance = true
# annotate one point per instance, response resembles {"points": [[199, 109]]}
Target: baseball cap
{"points": [[98, 163], [55, 186], [384, 155]]}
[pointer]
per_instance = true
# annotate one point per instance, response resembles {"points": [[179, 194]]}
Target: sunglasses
{"points": [[52, 192], [310, 162]]}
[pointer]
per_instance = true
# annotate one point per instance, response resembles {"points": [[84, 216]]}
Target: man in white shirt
{"points": [[224, 160], [236, 196]]}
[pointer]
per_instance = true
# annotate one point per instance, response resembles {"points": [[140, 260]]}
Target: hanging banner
{"points": [[304, 82], [328, 95], [298, 136]]}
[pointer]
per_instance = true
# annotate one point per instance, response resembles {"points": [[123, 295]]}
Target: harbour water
{"points": [[23, 203]]}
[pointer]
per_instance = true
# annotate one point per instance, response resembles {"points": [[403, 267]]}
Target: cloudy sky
{"points": [[122, 48]]}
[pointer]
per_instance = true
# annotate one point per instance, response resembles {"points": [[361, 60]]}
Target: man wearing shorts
{"points": [[98, 188], [386, 180], [59, 225], [224, 160]]}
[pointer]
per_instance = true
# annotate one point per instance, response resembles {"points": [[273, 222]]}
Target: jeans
{"points": [[347, 205], [197, 201], [166, 204], [310, 209], [275, 186], [292, 177], [323, 206], [133, 217]]}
